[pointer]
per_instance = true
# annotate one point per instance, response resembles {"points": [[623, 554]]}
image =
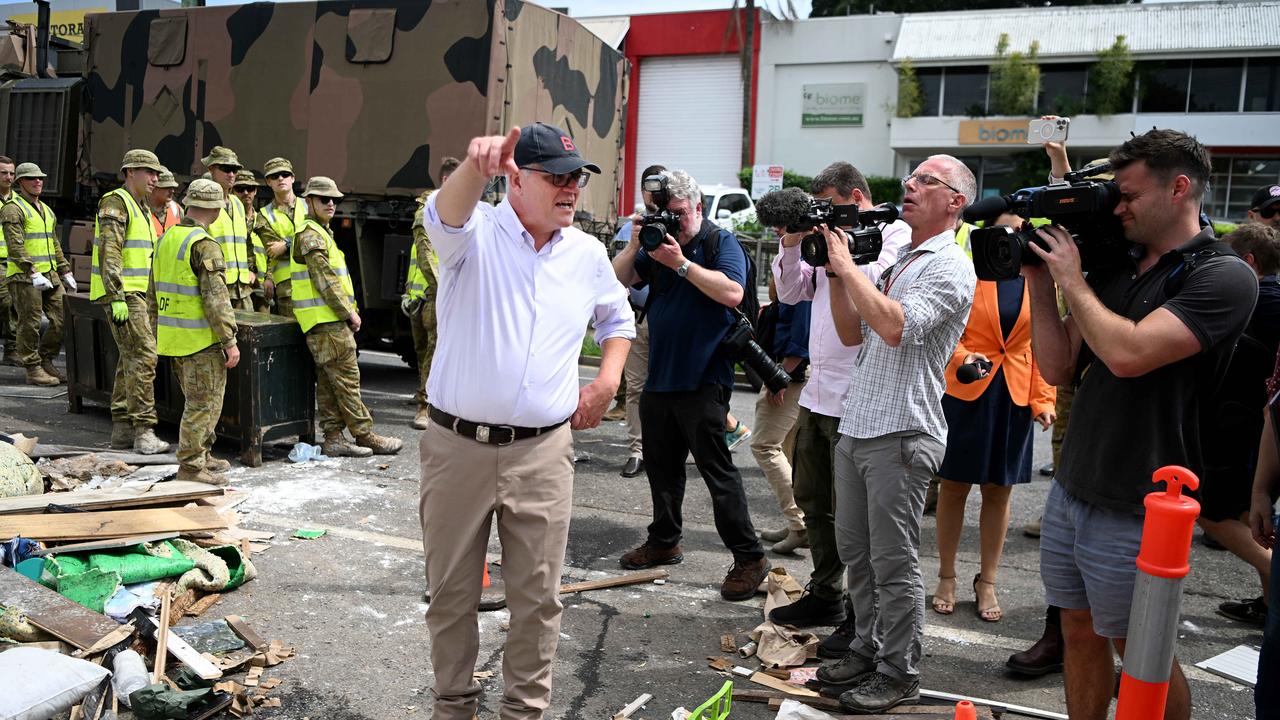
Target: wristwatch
{"points": [[683, 270]]}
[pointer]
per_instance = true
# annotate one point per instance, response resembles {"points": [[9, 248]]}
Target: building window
{"points": [[1215, 86], [1262, 85], [1163, 86], [964, 91], [930, 80], [1062, 89], [1233, 183]]}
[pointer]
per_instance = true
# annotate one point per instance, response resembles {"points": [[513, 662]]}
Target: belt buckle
{"points": [[511, 434]]}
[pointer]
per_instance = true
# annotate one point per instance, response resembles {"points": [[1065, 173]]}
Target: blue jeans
{"points": [[1266, 694]]}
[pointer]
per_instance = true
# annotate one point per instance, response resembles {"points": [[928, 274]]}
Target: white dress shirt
{"points": [[511, 320]]}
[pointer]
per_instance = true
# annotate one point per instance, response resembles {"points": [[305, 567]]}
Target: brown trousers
{"points": [[528, 486], [133, 396]]}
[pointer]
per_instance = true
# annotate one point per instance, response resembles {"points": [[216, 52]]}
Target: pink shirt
{"points": [[830, 361]]}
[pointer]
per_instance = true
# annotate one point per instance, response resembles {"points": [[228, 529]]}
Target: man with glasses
{"points": [[245, 188], [231, 229], [696, 281], [1265, 207], [276, 224], [8, 319], [893, 430], [518, 283], [324, 304]]}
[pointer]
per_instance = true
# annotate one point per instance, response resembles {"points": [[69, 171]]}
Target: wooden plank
{"points": [[626, 712], [173, 491], [111, 544], [773, 682], [628, 579], [179, 649], [162, 637], [53, 613], [112, 638], [246, 633], [109, 523]]}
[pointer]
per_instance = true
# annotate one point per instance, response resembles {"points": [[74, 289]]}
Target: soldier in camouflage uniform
{"points": [[8, 319], [419, 301], [123, 243], [276, 224], [33, 269], [196, 327], [324, 305], [246, 187], [165, 212], [231, 229]]}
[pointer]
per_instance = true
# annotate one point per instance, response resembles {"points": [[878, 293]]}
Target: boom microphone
{"points": [[988, 208], [973, 372], [782, 208]]}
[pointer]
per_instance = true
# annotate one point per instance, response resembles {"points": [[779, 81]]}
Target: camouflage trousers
{"points": [[8, 320], [29, 304], [1066, 393], [133, 398], [284, 299], [203, 379], [241, 296], [423, 325], [333, 347]]}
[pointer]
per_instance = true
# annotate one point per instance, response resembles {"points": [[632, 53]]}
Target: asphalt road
{"points": [[351, 602]]}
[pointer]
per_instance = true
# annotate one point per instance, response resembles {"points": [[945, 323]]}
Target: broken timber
{"points": [[110, 523], [629, 579]]}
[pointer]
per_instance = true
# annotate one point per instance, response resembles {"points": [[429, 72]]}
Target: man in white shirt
{"points": [[518, 286]]}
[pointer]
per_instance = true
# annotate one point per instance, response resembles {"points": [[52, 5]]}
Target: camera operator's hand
{"points": [[791, 239], [840, 261], [668, 253], [1062, 258], [1046, 419]]}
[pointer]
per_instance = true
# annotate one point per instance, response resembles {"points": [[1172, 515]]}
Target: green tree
{"points": [[910, 96], [1111, 80], [1015, 79]]}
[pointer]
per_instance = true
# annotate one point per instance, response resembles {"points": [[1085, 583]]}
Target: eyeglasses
{"points": [[926, 180], [577, 177], [279, 176]]}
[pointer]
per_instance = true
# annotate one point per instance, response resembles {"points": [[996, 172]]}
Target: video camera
{"points": [[1084, 208], [797, 211], [656, 226]]}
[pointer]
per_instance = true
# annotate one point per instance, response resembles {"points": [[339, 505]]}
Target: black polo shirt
{"points": [[1123, 429]]}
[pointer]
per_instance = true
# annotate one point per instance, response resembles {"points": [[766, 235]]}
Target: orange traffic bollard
{"points": [[1163, 564], [485, 583], [966, 711]]}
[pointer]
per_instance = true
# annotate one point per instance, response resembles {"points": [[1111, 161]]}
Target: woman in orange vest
{"points": [[165, 213], [989, 421]]}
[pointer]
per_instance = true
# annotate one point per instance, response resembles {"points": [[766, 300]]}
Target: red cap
{"points": [[1171, 518]]}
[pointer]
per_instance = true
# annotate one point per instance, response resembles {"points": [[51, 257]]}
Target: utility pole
{"points": [[748, 51]]}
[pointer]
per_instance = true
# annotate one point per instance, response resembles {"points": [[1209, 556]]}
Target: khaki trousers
{"points": [[8, 320], [773, 442], [636, 371], [133, 395], [203, 379], [423, 327], [333, 348], [30, 304], [528, 486]]}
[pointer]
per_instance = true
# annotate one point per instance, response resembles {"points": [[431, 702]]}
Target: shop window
{"points": [[1163, 86], [964, 91], [1215, 86], [1233, 182], [1262, 85], [930, 80], [1062, 89]]}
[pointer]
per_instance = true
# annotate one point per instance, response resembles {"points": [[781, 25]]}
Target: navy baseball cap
{"points": [[1266, 197], [548, 147]]}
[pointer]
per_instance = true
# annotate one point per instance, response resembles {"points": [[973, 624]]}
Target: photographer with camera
{"points": [[821, 402], [697, 276], [1148, 335], [894, 432]]}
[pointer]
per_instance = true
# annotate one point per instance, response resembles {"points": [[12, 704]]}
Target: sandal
{"points": [[941, 606], [988, 614]]}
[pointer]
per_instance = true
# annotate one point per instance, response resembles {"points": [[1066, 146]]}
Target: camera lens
{"points": [[813, 250], [651, 236]]}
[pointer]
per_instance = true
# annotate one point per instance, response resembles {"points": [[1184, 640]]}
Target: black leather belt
{"points": [[489, 434]]}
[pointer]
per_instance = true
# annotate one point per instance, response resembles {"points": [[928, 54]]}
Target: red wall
{"points": [[708, 32]]}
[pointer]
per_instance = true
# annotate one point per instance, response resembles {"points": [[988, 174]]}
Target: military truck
{"points": [[372, 94]]}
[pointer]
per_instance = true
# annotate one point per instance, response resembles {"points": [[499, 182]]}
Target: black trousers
{"points": [[675, 424]]}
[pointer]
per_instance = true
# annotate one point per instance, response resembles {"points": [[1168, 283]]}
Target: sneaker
{"points": [[738, 435], [421, 419], [847, 671], [216, 465], [122, 435], [879, 692], [649, 555], [380, 444], [1248, 611], [836, 645], [339, 446], [808, 611], [145, 442], [794, 540], [744, 578]]}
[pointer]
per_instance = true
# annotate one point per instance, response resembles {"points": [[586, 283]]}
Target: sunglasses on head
{"points": [[578, 177]]}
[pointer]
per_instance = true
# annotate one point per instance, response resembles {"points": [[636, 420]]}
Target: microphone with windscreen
{"points": [[974, 371]]}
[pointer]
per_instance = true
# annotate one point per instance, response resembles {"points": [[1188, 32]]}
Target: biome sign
{"points": [[834, 104], [993, 132]]}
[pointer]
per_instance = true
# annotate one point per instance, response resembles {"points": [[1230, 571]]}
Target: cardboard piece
{"points": [[81, 269]]}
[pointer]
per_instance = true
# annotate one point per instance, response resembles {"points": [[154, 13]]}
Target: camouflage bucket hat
{"points": [[166, 179], [28, 170], [1103, 175], [221, 156], [321, 186], [275, 165], [141, 159], [204, 194], [245, 177]]}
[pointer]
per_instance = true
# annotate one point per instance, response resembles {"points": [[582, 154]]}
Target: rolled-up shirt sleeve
{"points": [[944, 288], [453, 245], [613, 317], [792, 276]]}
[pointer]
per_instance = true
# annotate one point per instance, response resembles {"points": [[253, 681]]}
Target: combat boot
{"points": [[380, 444], [48, 367], [37, 376], [11, 359], [146, 443], [420, 420], [216, 465], [121, 435], [339, 446], [202, 476]]}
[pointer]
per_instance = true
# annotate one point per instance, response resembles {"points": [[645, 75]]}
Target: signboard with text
{"points": [[833, 105], [993, 132], [765, 178], [67, 24]]}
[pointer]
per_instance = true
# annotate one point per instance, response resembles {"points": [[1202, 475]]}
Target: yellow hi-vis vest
{"points": [[286, 228], [309, 307], [962, 238], [232, 233], [415, 284], [135, 257], [181, 325], [4, 244], [38, 236]]}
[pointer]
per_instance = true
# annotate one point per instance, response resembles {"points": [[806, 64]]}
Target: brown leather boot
{"points": [[649, 555], [11, 359], [744, 579], [1045, 656], [37, 376]]}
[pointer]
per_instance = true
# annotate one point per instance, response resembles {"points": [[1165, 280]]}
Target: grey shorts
{"points": [[1088, 558]]}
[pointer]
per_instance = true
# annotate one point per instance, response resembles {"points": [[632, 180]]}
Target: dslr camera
{"points": [[797, 211], [656, 226], [740, 343], [1084, 208]]}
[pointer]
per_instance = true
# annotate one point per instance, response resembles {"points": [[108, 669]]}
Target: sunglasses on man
{"points": [[1269, 212]]}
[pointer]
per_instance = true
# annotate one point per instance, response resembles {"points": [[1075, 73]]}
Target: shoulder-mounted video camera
{"points": [[797, 211], [656, 226]]}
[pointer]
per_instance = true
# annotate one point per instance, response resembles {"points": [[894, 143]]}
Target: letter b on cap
{"points": [[568, 144]]}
